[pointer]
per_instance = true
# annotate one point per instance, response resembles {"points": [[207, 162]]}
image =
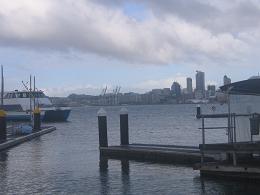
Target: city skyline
{"points": [[83, 46]]}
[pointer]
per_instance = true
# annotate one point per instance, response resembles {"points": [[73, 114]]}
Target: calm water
{"points": [[66, 161]]}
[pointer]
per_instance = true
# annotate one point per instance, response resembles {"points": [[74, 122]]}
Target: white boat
{"points": [[20, 104]]}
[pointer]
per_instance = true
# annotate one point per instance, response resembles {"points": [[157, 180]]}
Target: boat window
{"points": [[13, 95], [39, 95]]}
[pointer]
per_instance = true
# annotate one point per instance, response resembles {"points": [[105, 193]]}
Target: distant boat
{"points": [[18, 105]]}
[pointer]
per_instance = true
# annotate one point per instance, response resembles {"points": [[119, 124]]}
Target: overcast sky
{"points": [[81, 46]]}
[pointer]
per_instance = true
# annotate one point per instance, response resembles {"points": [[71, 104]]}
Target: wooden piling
{"points": [[198, 115], [102, 128], [2, 126], [124, 128], [37, 119]]}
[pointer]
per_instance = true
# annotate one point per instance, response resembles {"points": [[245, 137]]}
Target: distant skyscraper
{"points": [[200, 83], [176, 89], [211, 90], [226, 80], [189, 85]]}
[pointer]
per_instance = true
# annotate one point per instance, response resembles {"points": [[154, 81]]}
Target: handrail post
{"points": [[235, 133], [203, 140]]}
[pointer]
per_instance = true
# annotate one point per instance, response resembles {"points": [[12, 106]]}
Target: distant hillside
{"points": [[74, 100]]}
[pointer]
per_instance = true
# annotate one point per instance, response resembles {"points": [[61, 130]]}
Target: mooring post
{"points": [[102, 128], [124, 128], [2, 126], [37, 119], [198, 115]]}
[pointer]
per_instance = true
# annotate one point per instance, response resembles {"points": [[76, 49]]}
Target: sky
{"points": [[82, 46]]}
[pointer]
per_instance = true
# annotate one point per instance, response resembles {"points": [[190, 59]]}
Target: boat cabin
{"points": [[244, 104], [24, 94], [22, 100]]}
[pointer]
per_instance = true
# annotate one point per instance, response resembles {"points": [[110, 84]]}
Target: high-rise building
{"points": [[200, 83], [226, 80], [211, 90], [176, 89], [189, 85]]}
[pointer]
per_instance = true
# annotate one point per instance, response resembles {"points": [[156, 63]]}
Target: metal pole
{"points": [[229, 136], [231, 128], [30, 94], [234, 158], [229, 114], [2, 86], [34, 93], [235, 133], [203, 140]]}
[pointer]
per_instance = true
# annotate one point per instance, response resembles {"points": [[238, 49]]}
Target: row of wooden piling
{"points": [[3, 123], [102, 127]]}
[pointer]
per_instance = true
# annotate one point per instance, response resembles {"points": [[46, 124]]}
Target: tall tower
{"points": [[200, 83], [189, 85], [176, 89]]}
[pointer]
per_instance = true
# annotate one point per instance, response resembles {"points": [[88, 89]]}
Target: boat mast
{"points": [[2, 86]]}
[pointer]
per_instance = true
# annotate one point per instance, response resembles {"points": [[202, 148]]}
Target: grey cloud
{"points": [[177, 31], [216, 15]]}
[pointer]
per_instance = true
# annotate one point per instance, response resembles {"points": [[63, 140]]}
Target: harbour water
{"points": [[66, 161]]}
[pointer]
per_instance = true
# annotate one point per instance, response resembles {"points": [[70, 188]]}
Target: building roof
{"points": [[246, 87]]}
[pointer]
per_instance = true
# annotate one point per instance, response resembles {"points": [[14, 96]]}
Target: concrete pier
{"points": [[16, 141], [158, 153]]}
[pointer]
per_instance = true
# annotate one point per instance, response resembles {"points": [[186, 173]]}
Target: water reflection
{"points": [[3, 156], [125, 170], [3, 171], [211, 185], [104, 176]]}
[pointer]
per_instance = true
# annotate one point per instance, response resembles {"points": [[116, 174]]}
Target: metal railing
{"points": [[231, 130]]}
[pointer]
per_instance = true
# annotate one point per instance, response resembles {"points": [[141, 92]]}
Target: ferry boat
{"points": [[18, 105]]}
